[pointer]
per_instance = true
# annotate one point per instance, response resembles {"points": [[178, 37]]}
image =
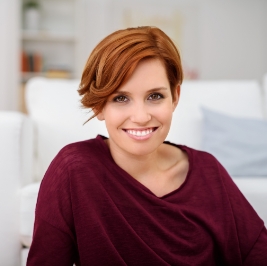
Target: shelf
{"points": [[25, 76], [51, 48], [47, 36]]}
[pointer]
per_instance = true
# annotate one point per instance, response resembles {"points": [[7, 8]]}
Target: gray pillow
{"points": [[240, 144]]}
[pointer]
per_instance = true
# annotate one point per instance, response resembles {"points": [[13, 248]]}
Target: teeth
{"points": [[140, 132]]}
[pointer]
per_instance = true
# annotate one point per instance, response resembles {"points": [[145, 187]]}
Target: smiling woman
{"points": [[138, 118], [134, 198]]}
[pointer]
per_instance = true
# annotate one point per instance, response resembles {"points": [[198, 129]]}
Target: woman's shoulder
{"points": [[205, 162], [89, 146], [91, 150], [80, 158], [200, 155], [196, 155], [205, 165]]}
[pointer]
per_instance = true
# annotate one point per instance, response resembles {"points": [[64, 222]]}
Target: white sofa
{"points": [[28, 143], [16, 158]]}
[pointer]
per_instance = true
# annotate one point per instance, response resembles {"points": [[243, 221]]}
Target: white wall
{"points": [[95, 26], [221, 39], [233, 37], [9, 54]]}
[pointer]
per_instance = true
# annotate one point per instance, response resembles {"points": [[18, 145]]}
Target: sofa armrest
{"points": [[264, 98], [16, 158]]}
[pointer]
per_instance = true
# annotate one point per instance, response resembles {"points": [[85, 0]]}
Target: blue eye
{"points": [[120, 99], [155, 96]]}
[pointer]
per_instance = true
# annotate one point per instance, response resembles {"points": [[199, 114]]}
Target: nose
{"points": [[140, 114]]}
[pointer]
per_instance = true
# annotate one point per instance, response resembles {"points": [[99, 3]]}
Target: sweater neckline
{"points": [[135, 182]]}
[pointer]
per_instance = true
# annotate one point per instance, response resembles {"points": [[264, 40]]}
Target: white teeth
{"points": [[140, 132]]}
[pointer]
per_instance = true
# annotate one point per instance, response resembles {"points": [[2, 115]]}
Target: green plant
{"points": [[31, 4]]}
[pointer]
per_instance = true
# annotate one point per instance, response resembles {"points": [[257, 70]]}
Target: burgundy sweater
{"points": [[91, 212]]}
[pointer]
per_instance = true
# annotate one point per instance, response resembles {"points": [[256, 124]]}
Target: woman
{"points": [[133, 199]]}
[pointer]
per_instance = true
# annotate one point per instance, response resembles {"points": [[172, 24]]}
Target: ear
{"points": [[176, 97]]}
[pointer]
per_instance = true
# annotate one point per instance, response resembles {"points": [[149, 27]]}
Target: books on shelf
{"points": [[31, 62], [32, 65], [58, 73]]}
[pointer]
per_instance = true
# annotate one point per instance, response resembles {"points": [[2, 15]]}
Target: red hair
{"points": [[115, 58]]}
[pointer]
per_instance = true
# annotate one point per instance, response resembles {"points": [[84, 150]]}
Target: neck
{"points": [[135, 165]]}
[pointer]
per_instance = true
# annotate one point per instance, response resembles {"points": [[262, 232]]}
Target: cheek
{"points": [[164, 114], [114, 115]]}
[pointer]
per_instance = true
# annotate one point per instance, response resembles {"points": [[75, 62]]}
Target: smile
{"points": [[140, 133]]}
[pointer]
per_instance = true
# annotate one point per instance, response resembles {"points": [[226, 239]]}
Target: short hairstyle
{"points": [[115, 58]]}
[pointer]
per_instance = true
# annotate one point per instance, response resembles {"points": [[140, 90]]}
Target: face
{"points": [[138, 115]]}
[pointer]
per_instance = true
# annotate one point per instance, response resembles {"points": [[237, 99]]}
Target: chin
{"points": [[142, 149]]}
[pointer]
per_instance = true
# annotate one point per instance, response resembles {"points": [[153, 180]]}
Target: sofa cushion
{"points": [[54, 106], [28, 199], [237, 98], [240, 144], [24, 256]]}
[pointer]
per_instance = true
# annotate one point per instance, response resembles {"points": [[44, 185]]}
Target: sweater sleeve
{"points": [[50, 246], [258, 254], [54, 241], [250, 228]]}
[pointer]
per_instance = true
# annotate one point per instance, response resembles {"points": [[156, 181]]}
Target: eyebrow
{"points": [[151, 90]]}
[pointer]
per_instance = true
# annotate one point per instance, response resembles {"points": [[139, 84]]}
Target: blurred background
{"points": [[218, 39]]}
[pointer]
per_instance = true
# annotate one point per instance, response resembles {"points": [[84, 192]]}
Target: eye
{"points": [[155, 96], [120, 99]]}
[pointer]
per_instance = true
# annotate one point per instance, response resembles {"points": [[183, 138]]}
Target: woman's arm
{"points": [[54, 238], [258, 254], [50, 246], [252, 235]]}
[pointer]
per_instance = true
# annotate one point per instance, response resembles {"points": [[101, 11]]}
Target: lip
{"points": [[145, 137]]}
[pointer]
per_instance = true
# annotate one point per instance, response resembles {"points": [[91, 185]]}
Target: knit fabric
{"points": [[91, 212]]}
